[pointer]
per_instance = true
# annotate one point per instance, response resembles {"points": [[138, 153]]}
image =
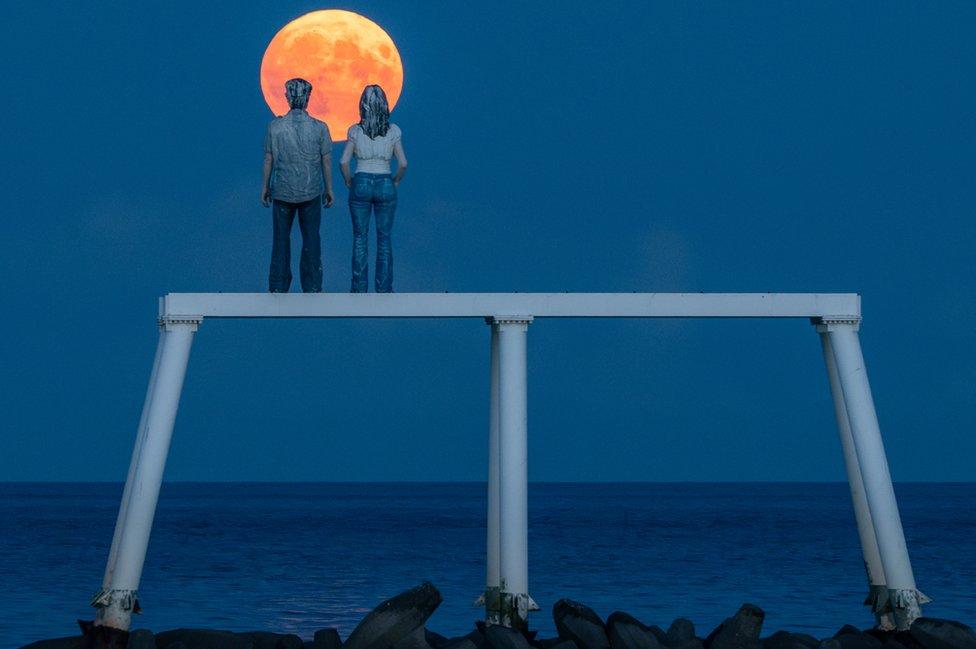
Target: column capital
{"points": [[169, 323], [508, 319], [836, 322]]}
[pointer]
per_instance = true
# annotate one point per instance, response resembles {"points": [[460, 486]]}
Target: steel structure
{"points": [[892, 595]]}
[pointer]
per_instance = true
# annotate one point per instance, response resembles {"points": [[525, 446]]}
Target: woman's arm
{"points": [[344, 162], [401, 162]]}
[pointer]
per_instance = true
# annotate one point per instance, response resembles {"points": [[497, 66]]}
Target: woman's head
{"points": [[374, 111]]}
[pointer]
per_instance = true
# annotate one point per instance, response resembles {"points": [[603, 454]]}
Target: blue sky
{"points": [[556, 147]]}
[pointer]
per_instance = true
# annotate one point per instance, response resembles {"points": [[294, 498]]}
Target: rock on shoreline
{"points": [[399, 623]]}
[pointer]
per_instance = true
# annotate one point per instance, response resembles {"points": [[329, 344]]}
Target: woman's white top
{"points": [[372, 154]]}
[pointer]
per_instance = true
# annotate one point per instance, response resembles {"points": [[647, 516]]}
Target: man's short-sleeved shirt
{"points": [[297, 142]]}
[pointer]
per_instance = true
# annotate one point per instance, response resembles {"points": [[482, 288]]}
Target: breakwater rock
{"points": [[400, 623]]}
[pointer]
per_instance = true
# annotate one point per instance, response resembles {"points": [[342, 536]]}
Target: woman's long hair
{"points": [[374, 112]]}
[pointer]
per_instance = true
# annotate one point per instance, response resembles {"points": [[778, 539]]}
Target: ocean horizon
{"points": [[481, 482], [298, 556]]}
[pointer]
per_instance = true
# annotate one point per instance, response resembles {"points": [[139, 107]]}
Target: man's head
{"points": [[297, 92]]}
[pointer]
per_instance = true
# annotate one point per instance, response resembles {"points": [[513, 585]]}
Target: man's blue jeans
{"points": [[372, 193], [310, 266]]}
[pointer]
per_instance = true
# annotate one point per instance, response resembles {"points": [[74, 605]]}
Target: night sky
{"points": [[568, 146]]}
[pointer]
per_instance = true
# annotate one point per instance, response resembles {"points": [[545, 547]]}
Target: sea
{"points": [[296, 557]]}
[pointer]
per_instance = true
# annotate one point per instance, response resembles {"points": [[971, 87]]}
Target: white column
{"points": [[904, 598], [133, 463], [877, 589], [119, 598], [493, 563], [513, 470]]}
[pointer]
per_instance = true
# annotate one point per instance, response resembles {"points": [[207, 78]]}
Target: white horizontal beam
{"points": [[539, 305]]}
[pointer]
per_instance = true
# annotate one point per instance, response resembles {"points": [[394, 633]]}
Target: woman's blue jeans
{"points": [[371, 193]]}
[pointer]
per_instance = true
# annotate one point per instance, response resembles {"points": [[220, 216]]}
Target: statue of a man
{"points": [[297, 179]]}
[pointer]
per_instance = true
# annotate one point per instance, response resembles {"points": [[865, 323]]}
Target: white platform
{"points": [[892, 592], [538, 305]]}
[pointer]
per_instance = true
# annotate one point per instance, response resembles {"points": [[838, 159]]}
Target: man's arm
{"points": [[327, 174], [266, 183]]}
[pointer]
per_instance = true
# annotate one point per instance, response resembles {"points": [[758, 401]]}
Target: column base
{"points": [[906, 606], [880, 605], [491, 599], [115, 607], [514, 610]]}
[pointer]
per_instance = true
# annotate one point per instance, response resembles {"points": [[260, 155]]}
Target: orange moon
{"points": [[339, 53]]}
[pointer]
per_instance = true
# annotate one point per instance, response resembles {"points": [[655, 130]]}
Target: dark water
{"points": [[297, 557]]}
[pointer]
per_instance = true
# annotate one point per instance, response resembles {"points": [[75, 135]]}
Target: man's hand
{"points": [[327, 198], [266, 197]]}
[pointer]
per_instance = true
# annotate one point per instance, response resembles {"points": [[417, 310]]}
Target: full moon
{"points": [[339, 53]]}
